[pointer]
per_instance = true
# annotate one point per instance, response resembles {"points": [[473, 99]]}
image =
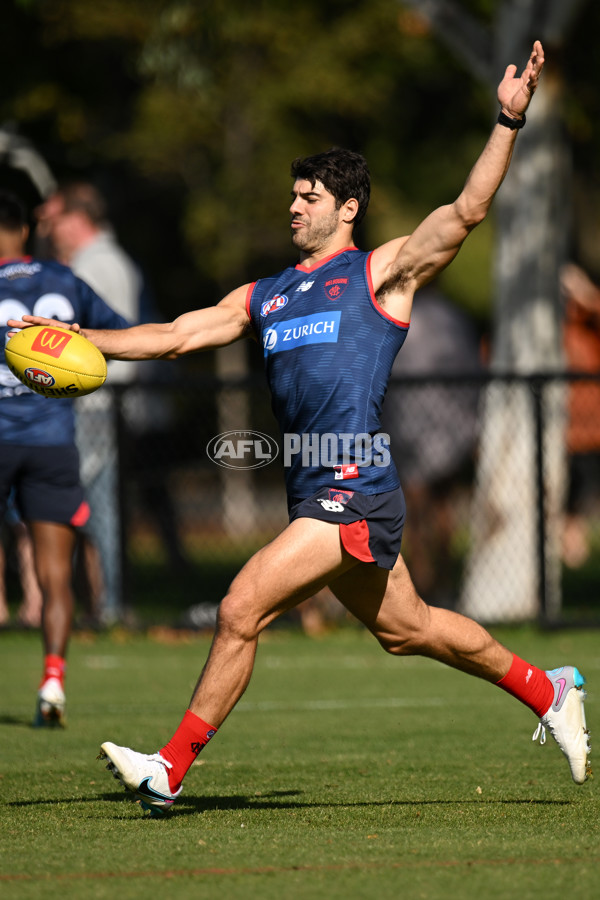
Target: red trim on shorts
{"points": [[81, 515], [355, 539]]}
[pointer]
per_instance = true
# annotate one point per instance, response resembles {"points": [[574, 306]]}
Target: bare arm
{"points": [[201, 329], [579, 289], [402, 266]]}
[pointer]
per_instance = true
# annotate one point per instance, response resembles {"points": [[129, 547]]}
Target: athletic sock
{"points": [[54, 667], [190, 738], [529, 685]]}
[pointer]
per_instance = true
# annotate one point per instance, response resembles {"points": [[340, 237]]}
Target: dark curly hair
{"points": [[13, 215], [343, 173]]}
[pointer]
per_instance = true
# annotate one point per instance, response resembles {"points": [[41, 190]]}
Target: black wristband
{"points": [[505, 120]]}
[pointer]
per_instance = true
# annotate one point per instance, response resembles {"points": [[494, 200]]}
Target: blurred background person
{"points": [[38, 456], [433, 427], [74, 221], [16, 547], [582, 355]]}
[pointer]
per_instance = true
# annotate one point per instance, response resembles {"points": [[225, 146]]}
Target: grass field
{"points": [[343, 773]]}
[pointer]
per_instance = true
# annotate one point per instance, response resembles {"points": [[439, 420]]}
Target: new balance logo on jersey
{"points": [[331, 505], [305, 286]]}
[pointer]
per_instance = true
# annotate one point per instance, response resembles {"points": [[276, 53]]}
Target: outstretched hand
{"points": [[515, 93], [27, 321]]}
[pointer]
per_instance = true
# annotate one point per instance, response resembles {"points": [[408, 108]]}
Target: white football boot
{"points": [[146, 776], [50, 709], [565, 720]]}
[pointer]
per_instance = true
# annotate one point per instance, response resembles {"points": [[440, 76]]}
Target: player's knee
{"points": [[53, 579], [236, 619], [399, 645], [408, 638]]}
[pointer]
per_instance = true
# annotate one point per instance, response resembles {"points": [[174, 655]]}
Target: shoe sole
{"points": [[53, 717], [583, 766], [581, 695], [107, 751]]}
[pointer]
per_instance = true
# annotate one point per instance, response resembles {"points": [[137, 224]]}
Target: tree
{"points": [[531, 209], [218, 98], [191, 112]]}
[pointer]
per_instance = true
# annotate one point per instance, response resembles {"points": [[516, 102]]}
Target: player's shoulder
{"points": [[31, 273], [385, 260], [26, 267], [386, 253], [58, 269], [57, 276], [276, 282], [31, 266], [276, 276]]}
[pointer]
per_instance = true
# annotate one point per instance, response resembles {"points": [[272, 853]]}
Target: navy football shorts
{"points": [[46, 483], [370, 524]]}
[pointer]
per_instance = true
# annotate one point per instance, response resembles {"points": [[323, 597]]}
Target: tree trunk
{"points": [[502, 582]]}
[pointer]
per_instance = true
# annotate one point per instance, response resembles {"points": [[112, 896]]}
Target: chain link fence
{"points": [[501, 476]]}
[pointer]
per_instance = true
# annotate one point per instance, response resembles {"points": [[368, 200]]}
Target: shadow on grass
{"points": [[29, 724], [20, 722], [235, 803], [275, 801]]}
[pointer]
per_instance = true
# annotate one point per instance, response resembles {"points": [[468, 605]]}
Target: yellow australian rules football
{"points": [[55, 362]]}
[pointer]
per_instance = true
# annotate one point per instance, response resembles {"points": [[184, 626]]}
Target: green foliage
{"points": [[215, 100], [197, 108]]}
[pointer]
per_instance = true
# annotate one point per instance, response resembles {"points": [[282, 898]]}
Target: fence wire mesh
{"points": [[501, 477]]}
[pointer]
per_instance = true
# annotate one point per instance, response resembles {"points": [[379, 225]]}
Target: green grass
{"points": [[343, 773]]}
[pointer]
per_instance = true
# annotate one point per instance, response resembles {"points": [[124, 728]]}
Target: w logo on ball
{"points": [[51, 341]]}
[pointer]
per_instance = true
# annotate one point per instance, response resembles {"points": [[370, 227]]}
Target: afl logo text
{"points": [[272, 305], [38, 376], [242, 450]]}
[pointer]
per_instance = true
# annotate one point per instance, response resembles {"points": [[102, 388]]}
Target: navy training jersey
{"points": [[42, 288], [328, 350]]}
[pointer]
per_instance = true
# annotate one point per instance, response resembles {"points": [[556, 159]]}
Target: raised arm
{"points": [[201, 329], [403, 265]]}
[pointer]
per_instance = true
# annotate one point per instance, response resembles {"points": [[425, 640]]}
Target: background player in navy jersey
{"points": [[38, 457], [330, 327]]}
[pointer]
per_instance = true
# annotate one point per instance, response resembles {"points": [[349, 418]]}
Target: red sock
{"points": [[54, 667], [529, 685], [190, 738]]}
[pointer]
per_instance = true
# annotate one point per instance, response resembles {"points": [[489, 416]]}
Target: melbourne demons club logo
{"points": [[51, 342], [335, 287], [340, 496], [272, 305]]}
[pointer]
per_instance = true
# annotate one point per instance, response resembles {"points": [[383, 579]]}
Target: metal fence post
{"points": [[122, 455], [537, 391]]}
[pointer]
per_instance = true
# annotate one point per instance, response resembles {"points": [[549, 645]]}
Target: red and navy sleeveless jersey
{"points": [[328, 350], [42, 288]]}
